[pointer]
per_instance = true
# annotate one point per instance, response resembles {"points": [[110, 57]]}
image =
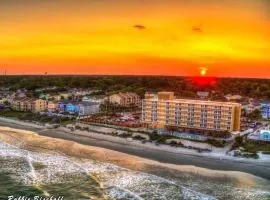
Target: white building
{"points": [[230, 97], [87, 108]]}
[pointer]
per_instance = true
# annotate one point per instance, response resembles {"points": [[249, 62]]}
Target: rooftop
{"points": [[194, 101]]}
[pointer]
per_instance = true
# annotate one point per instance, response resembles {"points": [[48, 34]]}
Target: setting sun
{"points": [[203, 71]]}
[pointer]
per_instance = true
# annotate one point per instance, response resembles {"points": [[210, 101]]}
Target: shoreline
{"points": [[261, 168], [132, 175]]}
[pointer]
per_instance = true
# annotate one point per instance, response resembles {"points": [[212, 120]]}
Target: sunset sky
{"points": [[228, 38]]}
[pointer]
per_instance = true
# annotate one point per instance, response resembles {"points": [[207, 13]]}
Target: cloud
{"points": [[139, 27], [197, 29]]}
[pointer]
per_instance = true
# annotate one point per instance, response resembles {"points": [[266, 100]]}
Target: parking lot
{"points": [[131, 119]]}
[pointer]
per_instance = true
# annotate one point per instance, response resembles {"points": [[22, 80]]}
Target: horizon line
{"points": [[150, 75]]}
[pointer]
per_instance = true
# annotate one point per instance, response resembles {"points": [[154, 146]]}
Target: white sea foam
{"points": [[32, 172], [120, 193]]}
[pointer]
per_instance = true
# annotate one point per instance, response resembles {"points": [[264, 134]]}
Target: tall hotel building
{"points": [[164, 109]]}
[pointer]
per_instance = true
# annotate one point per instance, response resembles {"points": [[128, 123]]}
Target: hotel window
{"points": [[204, 121], [217, 127], [177, 118], [217, 116], [203, 116], [203, 125], [190, 123], [177, 109]]}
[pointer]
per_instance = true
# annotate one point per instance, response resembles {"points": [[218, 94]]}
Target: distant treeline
{"points": [[182, 86]]}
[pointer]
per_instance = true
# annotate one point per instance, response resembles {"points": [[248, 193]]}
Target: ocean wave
{"points": [[120, 193], [120, 183]]}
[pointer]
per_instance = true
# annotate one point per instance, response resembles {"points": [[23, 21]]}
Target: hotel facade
{"points": [[163, 109]]}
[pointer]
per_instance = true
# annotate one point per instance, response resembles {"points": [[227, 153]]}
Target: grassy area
{"points": [[66, 122], [216, 143], [253, 155], [253, 146], [158, 138], [126, 135], [161, 138], [12, 113], [29, 116]]}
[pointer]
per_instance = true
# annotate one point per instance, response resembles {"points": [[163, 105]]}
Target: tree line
{"points": [[182, 86]]}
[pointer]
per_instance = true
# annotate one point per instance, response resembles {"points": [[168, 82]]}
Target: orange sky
{"points": [[158, 37]]}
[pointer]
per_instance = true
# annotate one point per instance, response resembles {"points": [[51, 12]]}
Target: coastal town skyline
{"points": [[209, 38]]}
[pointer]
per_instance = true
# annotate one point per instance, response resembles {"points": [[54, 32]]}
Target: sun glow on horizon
{"points": [[203, 71]]}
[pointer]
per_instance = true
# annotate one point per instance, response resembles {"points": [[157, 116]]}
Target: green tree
{"points": [[255, 115], [239, 140]]}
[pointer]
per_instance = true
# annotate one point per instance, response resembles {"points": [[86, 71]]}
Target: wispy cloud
{"points": [[139, 27], [197, 29]]}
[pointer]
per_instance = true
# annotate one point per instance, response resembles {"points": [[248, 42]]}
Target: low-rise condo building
{"points": [[126, 99], [265, 110], [163, 109], [29, 104], [38, 105], [19, 104], [52, 106]]}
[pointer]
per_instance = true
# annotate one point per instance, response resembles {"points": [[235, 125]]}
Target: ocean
{"points": [[53, 173]]}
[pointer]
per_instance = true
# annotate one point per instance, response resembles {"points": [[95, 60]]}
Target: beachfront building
{"points": [[52, 106], [81, 108], [29, 104], [18, 104], [90, 99], [62, 106], [59, 97], [126, 99], [265, 135], [163, 109], [230, 97], [68, 106], [87, 108], [250, 107], [72, 107], [260, 135], [265, 109], [38, 105], [203, 95], [3, 100]]}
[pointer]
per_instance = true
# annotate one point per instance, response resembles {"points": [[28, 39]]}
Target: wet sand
{"points": [[173, 160]]}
